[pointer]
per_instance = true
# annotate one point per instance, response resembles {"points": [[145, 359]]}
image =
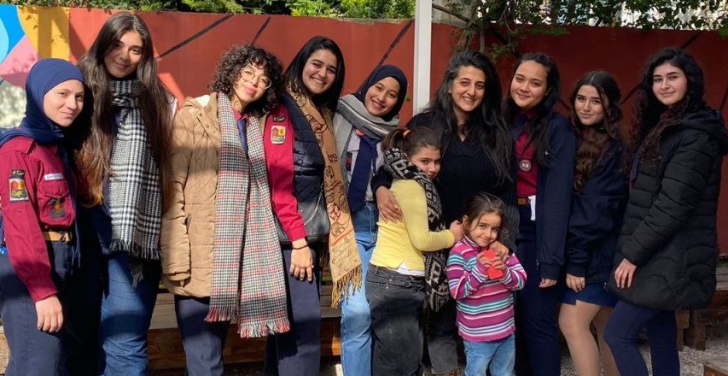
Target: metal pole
{"points": [[423, 50]]}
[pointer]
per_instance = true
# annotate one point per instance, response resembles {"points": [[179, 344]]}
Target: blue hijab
{"points": [[43, 77], [381, 72]]}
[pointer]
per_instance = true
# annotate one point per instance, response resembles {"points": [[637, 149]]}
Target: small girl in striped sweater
{"points": [[483, 282]]}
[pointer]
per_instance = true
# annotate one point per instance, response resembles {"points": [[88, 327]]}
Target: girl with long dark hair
{"points": [[303, 169], [667, 252], [125, 183], [600, 194], [545, 149]]}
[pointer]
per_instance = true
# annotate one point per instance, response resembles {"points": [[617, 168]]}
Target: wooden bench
{"points": [[165, 343], [717, 366], [715, 314]]}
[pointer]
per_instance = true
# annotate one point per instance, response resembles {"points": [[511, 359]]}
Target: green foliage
{"points": [[317, 8], [503, 18], [377, 8]]}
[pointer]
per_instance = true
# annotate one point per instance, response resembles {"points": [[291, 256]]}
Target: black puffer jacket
{"points": [[669, 229]]}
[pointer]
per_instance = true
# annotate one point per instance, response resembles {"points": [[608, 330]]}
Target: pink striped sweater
{"points": [[484, 306]]}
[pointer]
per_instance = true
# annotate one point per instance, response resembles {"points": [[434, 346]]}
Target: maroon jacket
{"points": [[34, 198]]}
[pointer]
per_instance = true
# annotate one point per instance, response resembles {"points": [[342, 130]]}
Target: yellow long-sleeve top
{"points": [[403, 242]]}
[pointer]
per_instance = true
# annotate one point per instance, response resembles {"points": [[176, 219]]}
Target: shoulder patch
{"points": [[18, 190], [277, 134]]}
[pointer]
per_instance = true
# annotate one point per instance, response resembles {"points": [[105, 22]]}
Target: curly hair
{"points": [[485, 123], [594, 141], [538, 127], [230, 67], [651, 116]]}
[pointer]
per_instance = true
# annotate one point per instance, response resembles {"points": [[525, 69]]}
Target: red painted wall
{"points": [[191, 44]]}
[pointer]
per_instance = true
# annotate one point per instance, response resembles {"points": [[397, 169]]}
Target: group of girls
{"points": [[108, 194], [563, 224]]}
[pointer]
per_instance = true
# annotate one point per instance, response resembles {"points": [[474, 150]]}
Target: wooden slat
{"points": [[717, 366]]}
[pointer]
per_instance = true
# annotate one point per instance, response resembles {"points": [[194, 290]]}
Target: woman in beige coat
{"points": [[218, 231]]}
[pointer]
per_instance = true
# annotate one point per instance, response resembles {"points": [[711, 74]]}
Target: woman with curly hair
{"points": [[477, 156], [545, 147], [667, 249], [124, 175], [597, 207], [220, 206]]}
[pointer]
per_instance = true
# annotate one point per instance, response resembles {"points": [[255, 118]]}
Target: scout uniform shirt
{"points": [[35, 197]]}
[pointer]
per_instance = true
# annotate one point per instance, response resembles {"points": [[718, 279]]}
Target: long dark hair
{"points": [[229, 70], [155, 105], [538, 126], [485, 124], [293, 79], [594, 141], [651, 116]]}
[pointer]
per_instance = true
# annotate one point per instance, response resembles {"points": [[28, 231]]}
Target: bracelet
{"points": [[300, 248]]}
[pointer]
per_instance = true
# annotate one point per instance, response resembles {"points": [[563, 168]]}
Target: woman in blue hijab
{"points": [[37, 229], [361, 121]]}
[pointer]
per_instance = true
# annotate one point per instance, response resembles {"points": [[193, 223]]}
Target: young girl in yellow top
{"points": [[395, 281]]}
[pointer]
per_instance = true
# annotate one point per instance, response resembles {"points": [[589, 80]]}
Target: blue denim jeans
{"points": [[621, 334], [396, 301], [356, 320], [126, 312], [498, 356]]}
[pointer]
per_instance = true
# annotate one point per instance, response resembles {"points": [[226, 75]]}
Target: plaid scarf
{"points": [[245, 233], [135, 198], [397, 164], [345, 263]]}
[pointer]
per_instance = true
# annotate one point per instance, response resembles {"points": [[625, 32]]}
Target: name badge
{"points": [[53, 176]]}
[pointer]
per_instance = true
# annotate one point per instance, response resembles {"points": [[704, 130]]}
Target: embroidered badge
{"points": [[279, 118], [524, 165], [53, 176], [18, 190], [57, 210], [277, 134]]}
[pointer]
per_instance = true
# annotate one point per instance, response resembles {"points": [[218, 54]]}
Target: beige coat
{"points": [[188, 226]]}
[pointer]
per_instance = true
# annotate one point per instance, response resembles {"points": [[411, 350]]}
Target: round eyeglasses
{"points": [[248, 74]]}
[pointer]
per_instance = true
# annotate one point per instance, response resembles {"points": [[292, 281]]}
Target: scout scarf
{"points": [[245, 233], [345, 263], [436, 289], [135, 198]]}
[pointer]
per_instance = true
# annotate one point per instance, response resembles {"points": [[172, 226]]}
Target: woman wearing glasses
{"points": [[219, 180]]}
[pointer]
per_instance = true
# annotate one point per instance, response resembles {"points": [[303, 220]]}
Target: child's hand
{"points": [[456, 227], [495, 265]]}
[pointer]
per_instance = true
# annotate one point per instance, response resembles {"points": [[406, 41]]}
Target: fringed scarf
{"points": [[135, 197], [436, 289], [344, 260], [245, 233]]}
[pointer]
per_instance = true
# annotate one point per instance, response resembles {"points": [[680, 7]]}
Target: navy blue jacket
{"points": [[553, 194], [596, 218]]}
